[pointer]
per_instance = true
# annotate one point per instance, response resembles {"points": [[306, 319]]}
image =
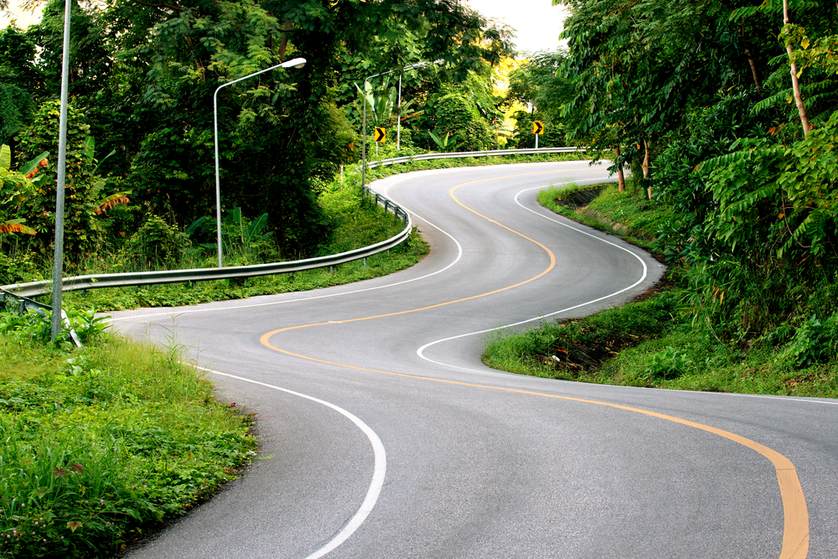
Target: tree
{"points": [[798, 98], [143, 75], [20, 81]]}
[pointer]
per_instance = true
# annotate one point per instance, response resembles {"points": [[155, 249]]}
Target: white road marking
{"points": [[379, 467], [390, 182]]}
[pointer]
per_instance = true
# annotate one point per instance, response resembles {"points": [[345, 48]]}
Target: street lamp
{"points": [[58, 255], [399, 123], [293, 63]]}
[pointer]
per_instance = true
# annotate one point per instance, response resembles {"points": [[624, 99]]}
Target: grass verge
{"points": [[104, 443], [600, 206], [655, 341], [403, 256]]}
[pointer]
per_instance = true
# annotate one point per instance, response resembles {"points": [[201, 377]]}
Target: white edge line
{"points": [[392, 181], [379, 467]]}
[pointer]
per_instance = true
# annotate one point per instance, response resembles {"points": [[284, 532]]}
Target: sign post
{"points": [[379, 134], [537, 129]]}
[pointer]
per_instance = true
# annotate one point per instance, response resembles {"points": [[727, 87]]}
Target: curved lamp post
{"points": [[293, 63], [399, 124]]}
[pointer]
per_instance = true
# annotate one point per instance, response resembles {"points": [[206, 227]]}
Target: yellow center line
{"points": [[795, 512]]}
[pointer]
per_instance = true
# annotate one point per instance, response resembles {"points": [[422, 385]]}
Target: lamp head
{"points": [[294, 63], [424, 63]]}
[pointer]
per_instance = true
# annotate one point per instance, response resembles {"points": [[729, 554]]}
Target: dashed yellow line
{"points": [[795, 543]]}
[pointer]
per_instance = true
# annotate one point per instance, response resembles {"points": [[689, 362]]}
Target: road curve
{"points": [[383, 435]]}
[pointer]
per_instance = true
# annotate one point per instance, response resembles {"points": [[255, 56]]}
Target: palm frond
{"points": [[16, 226], [118, 199]]}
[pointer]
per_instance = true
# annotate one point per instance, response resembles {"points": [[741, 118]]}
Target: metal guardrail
{"points": [[25, 291], [464, 154], [125, 279]]}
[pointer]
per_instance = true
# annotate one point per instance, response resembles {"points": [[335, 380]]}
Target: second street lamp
{"points": [[364, 111], [293, 63]]}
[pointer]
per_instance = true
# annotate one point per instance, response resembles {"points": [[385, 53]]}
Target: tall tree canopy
{"points": [[143, 74], [725, 112]]}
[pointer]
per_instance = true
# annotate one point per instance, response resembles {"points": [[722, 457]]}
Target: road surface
{"points": [[383, 435]]}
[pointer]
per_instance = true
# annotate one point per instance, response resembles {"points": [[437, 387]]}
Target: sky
{"points": [[23, 17], [537, 23]]}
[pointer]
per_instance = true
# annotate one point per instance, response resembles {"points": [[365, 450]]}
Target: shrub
{"points": [[816, 341], [16, 267], [156, 243], [457, 115], [28, 326], [668, 364], [82, 231]]}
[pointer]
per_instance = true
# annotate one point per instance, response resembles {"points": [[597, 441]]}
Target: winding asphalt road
{"points": [[383, 435]]}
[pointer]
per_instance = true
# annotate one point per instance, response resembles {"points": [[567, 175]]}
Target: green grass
{"points": [[568, 350], [103, 443], [629, 216], [398, 258], [656, 342]]}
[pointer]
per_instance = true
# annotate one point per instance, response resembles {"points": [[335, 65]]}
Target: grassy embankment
{"points": [[102, 444], [656, 340], [354, 224]]}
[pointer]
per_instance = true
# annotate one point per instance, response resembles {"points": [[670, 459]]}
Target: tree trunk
{"points": [[621, 178], [754, 72], [645, 167], [795, 85], [283, 41]]}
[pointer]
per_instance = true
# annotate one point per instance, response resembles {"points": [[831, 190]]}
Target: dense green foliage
{"points": [[101, 444], [737, 163], [537, 82], [142, 84]]}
